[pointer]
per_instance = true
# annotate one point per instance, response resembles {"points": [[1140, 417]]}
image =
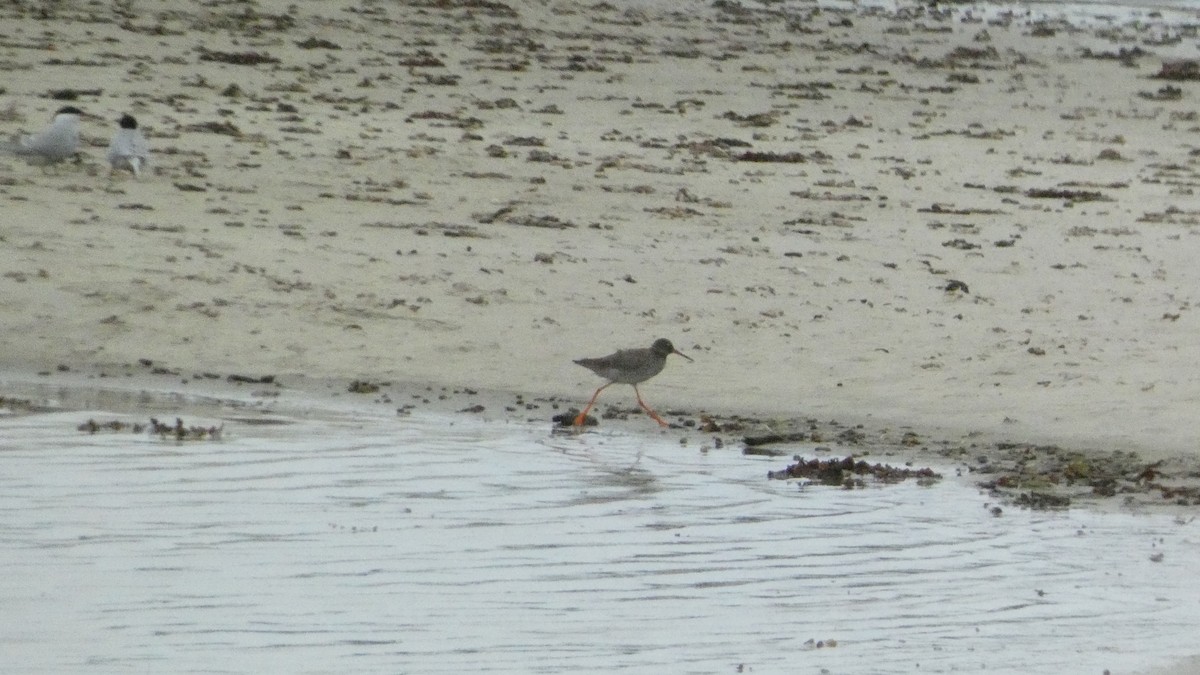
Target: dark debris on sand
{"points": [[1028, 475], [1179, 71], [237, 58], [849, 473], [1049, 477]]}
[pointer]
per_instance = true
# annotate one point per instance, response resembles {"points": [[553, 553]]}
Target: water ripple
{"points": [[444, 545]]}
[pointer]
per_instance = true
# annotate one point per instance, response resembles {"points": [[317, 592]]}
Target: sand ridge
{"points": [[976, 224]]}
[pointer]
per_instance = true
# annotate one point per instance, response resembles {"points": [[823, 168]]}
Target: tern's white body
{"points": [[128, 148], [59, 141]]}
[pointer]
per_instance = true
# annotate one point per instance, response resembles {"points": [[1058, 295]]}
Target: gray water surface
{"points": [[443, 544]]}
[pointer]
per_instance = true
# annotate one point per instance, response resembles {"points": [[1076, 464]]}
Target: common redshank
{"points": [[630, 366]]}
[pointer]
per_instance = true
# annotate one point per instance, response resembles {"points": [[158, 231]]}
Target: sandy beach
{"points": [[978, 225]]}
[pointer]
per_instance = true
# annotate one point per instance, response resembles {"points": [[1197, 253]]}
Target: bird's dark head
{"points": [[68, 110], [662, 347], [127, 121]]}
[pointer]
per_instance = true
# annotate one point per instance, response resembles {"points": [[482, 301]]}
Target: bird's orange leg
{"points": [[647, 408], [579, 419]]}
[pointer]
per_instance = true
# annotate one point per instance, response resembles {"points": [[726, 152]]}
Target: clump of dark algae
{"points": [[185, 433], [566, 420], [22, 405], [1049, 477], [850, 473], [117, 426], [178, 431]]}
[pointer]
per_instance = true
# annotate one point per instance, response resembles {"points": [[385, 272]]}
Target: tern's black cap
{"points": [[69, 110], [127, 121]]}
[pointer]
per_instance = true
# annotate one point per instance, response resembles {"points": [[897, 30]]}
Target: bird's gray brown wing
{"points": [[607, 366]]}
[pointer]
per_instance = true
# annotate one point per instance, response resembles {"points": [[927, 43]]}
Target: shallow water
{"points": [[437, 544]]}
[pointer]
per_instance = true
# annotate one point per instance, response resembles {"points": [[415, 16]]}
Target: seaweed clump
{"points": [[177, 431], [849, 473]]}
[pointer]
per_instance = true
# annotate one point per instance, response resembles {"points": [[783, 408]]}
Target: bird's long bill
{"points": [[682, 354]]}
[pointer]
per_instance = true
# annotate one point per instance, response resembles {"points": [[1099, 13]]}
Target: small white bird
{"points": [[128, 149], [58, 142]]}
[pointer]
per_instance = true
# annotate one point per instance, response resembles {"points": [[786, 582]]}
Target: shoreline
{"points": [[1025, 475]]}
